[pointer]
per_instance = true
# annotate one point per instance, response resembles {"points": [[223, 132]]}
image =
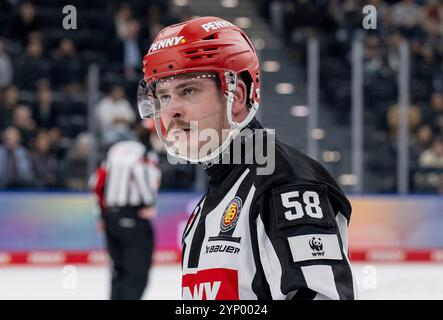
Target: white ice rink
{"points": [[382, 281]]}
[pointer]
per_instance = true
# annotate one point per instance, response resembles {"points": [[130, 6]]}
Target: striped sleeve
{"points": [[303, 244]]}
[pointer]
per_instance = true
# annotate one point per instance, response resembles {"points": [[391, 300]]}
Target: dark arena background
{"points": [[357, 85]]}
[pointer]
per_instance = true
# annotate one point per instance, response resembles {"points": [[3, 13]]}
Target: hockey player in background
{"points": [[126, 186], [272, 223]]}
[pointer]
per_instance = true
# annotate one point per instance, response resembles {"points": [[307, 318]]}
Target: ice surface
{"points": [[375, 281]]}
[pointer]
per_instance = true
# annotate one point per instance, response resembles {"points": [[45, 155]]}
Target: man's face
{"points": [[437, 148], [11, 96], [22, 116], [193, 113], [437, 101], [117, 93], [11, 138]]}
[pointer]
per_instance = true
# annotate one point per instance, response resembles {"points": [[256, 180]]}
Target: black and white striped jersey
{"points": [[128, 177], [277, 236]]}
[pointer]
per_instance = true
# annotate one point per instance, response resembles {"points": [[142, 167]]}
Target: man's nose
{"points": [[175, 108]]}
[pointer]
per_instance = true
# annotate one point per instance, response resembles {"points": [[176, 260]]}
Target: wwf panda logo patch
{"points": [[316, 244], [315, 247]]}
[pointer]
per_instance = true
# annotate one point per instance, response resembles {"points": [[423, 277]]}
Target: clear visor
{"points": [[189, 111]]}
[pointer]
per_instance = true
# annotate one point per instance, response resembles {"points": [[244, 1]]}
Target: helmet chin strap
{"points": [[234, 130]]}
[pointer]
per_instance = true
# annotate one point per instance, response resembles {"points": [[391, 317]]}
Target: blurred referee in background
{"points": [[126, 186]]}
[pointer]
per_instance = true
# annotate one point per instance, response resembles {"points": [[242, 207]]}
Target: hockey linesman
{"points": [[274, 229], [126, 185]]}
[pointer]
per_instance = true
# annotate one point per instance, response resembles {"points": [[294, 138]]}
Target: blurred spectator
{"points": [[32, 67], [15, 162], [35, 36], [417, 51], [44, 163], [275, 12], [6, 72], [11, 97], [301, 17], [45, 111], [132, 53], [66, 66], [393, 117], [75, 170], [24, 22], [385, 17], [432, 157], [115, 116], [438, 123], [351, 14], [436, 107], [434, 83], [407, 16], [22, 121], [58, 143], [373, 55], [433, 20], [128, 49], [154, 19], [121, 18], [393, 50], [433, 108], [423, 139], [433, 9]]}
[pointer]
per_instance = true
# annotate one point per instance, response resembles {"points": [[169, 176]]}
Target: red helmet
{"points": [[204, 44]]}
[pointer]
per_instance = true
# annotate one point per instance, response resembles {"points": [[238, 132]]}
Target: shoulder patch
{"points": [[302, 203], [315, 247]]}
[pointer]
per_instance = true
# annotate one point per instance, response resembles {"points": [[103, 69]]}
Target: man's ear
{"points": [[239, 109]]}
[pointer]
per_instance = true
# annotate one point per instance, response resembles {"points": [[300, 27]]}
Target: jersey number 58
{"points": [[311, 202]]}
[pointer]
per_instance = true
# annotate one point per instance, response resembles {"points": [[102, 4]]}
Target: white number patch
{"points": [[311, 202]]}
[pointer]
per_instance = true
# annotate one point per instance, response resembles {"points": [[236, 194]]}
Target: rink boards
{"points": [[60, 228]]}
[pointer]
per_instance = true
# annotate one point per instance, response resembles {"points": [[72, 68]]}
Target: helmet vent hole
{"points": [[211, 37]]}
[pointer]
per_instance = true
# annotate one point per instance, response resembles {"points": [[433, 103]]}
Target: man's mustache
{"points": [[179, 125]]}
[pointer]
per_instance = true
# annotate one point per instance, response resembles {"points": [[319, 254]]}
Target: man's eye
{"points": [[188, 91], [164, 97]]}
